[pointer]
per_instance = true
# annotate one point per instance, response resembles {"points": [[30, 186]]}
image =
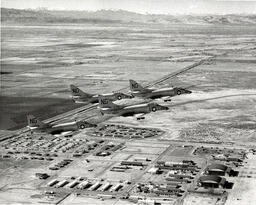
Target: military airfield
{"points": [[201, 150]]}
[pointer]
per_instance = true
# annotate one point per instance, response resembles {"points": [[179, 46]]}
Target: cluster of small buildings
{"points": [[25, 155], [159, 189], [112, 130], [186, 166], [64, 145], [86, 148], [176, 175], [86, 185], [126, 165], [108, 149], [42, 145], [222, 154], [61, 164], [40, 148]]}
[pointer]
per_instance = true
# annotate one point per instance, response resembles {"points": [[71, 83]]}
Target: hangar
{"points": [[218, 169], [212, 181]]}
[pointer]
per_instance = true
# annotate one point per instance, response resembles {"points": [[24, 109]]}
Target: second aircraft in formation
{"points": [[81, 97]]}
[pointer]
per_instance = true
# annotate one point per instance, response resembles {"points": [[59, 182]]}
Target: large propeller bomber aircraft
{"points": [[81, 97], [64, 129], [108, 107], [139, 91]]}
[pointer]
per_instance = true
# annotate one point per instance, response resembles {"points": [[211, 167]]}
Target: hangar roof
{"points": [[218, 167], [214, 179]]}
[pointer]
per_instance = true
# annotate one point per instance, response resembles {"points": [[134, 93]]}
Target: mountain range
{"points": [[119, 16]]}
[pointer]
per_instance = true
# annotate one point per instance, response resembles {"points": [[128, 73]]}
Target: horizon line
{"points": [[147, 13]]}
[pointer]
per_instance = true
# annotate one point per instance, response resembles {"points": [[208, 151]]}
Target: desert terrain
{"points": [[40, 58]]}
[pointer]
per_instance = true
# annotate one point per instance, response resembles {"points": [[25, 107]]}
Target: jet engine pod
{"points": [[154, 109], [82, 126], [119, 97], [178, 92]]}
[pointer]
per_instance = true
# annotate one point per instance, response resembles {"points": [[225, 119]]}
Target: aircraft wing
{"points": [[80, 102], [178, 72], [32, 128], [135, 92], [64, 134]]}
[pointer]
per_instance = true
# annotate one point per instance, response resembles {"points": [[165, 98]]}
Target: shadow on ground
{"points": [[14, 109]]}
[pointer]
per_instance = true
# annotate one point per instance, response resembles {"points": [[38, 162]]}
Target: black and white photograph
{"points": [[128, 102]]}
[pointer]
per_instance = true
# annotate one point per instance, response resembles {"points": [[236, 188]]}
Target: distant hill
{"points": [[45, 16], [118, 16]]}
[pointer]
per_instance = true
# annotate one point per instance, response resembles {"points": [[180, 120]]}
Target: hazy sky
{"points": [[142, 6]]}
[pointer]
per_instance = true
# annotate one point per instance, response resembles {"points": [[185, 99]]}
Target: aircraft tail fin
{"points": [[134, 86], [106, 103], [34, 122], [78, 92]]}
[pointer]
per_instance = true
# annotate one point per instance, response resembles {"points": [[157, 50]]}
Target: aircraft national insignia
{"points": [[75, 90]]}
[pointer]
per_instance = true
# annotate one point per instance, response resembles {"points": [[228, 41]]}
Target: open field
{"points": [[40, 61]]}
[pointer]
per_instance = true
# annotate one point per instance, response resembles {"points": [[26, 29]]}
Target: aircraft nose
{"points": [[92, 125], [164, 108], [187, 91]]}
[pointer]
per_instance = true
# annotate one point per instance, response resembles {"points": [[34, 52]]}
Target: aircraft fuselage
{"points": [[134, 109], [159, 93], [60, 128], [95, 98]]}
